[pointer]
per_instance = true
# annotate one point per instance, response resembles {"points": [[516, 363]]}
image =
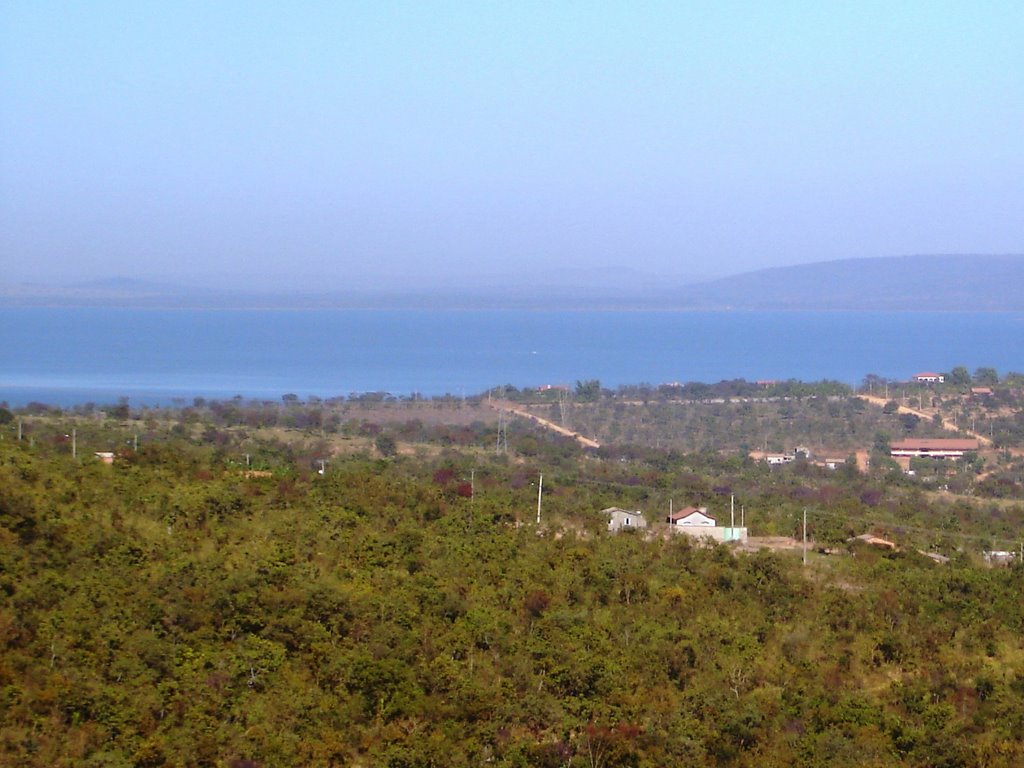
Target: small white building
{"points": [[696, 522], [1000, 557], [929, 378], [624, 519], [775, 459], [691, 516]]}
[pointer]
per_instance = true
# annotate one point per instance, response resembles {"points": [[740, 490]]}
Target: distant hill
{"points": [[912, 283], [900, 283], [555, 288]]}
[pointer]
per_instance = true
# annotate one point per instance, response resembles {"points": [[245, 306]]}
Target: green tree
{"points": [[959, 377], [872, 382], [588, 391], [909, 421], [986, 376], [120, 411], [386, 445]]}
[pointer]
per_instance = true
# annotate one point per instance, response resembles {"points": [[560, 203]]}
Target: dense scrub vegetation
{"points": [[170, 609], [361, 582], [837, 425]]}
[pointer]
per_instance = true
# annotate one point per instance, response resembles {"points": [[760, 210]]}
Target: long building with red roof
{"points": [[932, 447]]}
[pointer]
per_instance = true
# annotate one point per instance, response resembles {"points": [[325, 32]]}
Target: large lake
{"points": [[67, 356]]}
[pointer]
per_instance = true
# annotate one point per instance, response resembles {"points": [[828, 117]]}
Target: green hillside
{"points": [[170, 609]]}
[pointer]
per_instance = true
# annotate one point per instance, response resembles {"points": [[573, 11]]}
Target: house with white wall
{"points": [[696, 522], [689, 516]]}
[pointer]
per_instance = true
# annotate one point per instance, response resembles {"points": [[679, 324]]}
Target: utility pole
{"points": [[74, 443], [472, 485], [540, 491], [805, 535], [19, 430], [732, 515], [136, 443], [743, 523]]}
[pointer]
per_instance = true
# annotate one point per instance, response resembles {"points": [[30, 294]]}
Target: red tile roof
{"points": [[934, 444], [686, 512]]}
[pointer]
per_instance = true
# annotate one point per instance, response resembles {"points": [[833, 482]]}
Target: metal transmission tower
{"points": [[563, 406], [502, 441]]}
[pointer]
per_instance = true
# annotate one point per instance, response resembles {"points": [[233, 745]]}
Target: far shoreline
{"points": [[398, 306]]}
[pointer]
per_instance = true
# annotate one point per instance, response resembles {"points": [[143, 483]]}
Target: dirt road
{"points": [[946, 423], [502, 405]]}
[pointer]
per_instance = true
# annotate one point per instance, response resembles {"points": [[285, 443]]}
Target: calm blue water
{"points": [[67, 356]]}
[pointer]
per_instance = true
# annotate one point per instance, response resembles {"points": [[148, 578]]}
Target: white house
{"points": [[691, 516], [929, 378], [624, 519], [696, 522], [775, 459]]}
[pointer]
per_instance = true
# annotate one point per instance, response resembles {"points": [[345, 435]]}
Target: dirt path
{"points": [[863, 461], [586, 442], [946, 423]]}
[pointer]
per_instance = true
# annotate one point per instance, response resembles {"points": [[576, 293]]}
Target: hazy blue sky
{"points": [[291, 142]]}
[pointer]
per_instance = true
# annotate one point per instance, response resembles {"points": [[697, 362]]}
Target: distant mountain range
{"points": [[912, 283], [980, 283]]}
